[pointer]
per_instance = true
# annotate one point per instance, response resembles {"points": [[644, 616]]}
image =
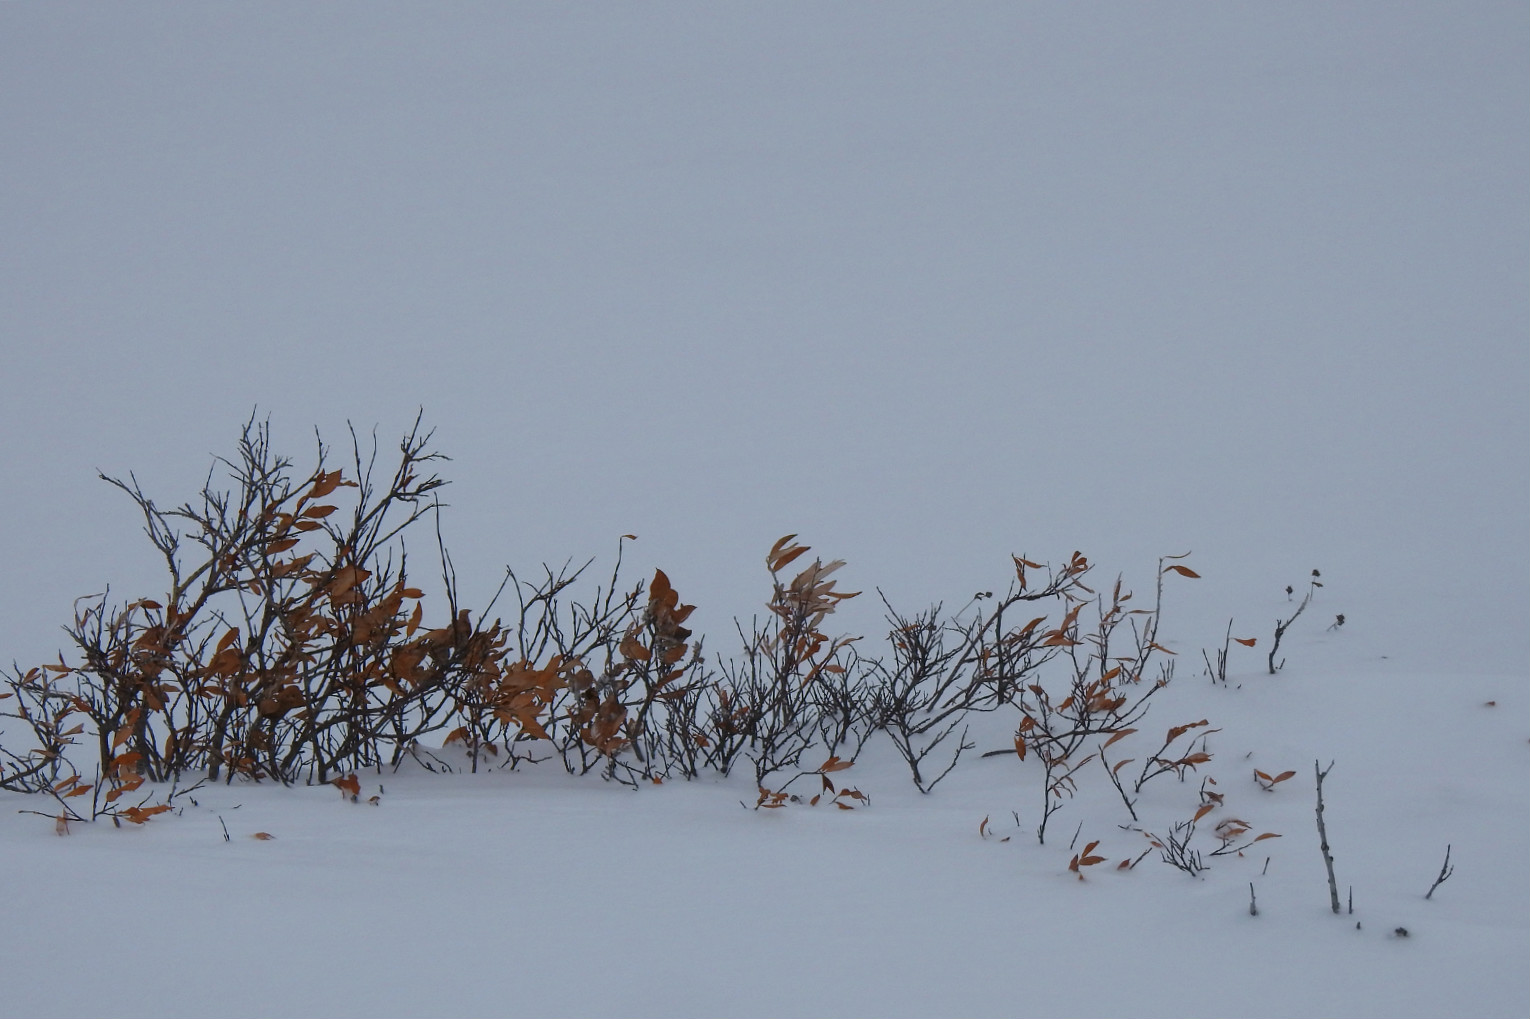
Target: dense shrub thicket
{"points": [[291, 644]]}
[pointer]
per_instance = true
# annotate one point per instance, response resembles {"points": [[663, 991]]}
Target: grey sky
{"points": [[926, 284]]}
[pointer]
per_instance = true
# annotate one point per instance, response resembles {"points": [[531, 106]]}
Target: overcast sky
{"points": [[928, 284]]}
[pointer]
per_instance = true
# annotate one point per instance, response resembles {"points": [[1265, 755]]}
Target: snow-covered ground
{"points": [[928, 286], [536, 894], [530, 892]]}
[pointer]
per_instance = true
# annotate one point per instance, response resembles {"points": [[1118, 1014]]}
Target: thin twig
{"points": [[1333, 885], [1445, 871]]}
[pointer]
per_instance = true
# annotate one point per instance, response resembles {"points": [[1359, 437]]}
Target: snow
{"points": [[928, 287], [531, 892]]}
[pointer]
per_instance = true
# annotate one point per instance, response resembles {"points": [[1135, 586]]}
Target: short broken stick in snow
{"points": [[1445, 871], [1333, 885]]}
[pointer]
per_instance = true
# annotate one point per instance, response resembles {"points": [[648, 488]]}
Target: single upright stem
{"points": [[1333, 885]]}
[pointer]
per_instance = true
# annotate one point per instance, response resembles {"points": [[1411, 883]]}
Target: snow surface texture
{"points": [[926, 286]]}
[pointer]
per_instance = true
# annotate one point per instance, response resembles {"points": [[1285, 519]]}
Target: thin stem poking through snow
{"points": [[1333, 885]]}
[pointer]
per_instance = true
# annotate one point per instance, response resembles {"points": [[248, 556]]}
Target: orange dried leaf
{"points": [[780, 554], [835, 764], [1206, 808], [781, 543], [1267, 835], [661, 589], [263, 836], [324, 484], [228, 640], [1283, 776], [782, 561], [633, 650], [1183, 571], [1120, 734], [1247, 641]]}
